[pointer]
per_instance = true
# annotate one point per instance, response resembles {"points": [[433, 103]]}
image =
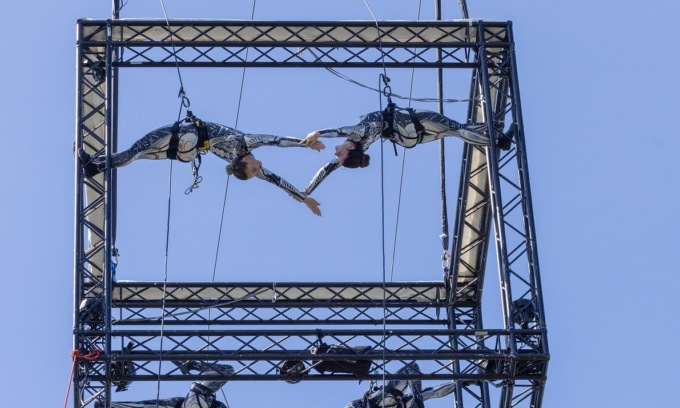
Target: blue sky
{"points": [[599, 101]]}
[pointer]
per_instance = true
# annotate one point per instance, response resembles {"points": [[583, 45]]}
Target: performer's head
{"points": [[351, 154], [245, 167]]}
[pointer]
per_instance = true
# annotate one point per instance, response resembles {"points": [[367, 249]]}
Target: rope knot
{"points": [[93, 355]]}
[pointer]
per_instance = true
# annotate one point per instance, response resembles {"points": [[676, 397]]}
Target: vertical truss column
{"points": [[495, 189], [96, 84]]}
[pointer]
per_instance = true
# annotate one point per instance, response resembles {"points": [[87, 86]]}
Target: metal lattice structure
{"points": [[256, 327]]}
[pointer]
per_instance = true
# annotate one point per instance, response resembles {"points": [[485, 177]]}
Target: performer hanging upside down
{"points": [[405, 127], [394, 394], [185, 140], [200, 395]]}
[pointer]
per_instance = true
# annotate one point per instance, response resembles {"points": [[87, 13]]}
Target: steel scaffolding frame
{"points": [[258, 326]]}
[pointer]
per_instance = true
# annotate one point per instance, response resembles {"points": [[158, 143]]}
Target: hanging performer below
{"points": [[394, 394], [200, 395], [184, 141], [405, 127]]}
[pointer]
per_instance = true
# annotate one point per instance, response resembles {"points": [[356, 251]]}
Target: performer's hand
{"points": [[313, 205], [317, 145], [311, 139]]}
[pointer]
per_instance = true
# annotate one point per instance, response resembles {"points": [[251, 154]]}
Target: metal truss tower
{"points": [[436, 324]]}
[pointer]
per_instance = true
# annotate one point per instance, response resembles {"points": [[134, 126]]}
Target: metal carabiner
{"points": [[387, 89], [185, 100], [195, 166]]}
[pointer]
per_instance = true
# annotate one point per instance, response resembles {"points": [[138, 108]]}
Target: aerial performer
{"points": [[184, 140], [405, 127], [394, 395], [201, 393]]}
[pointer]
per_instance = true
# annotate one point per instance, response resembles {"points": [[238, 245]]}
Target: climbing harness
{"points": [[201, 146], [202, 143], [388, 112], [388, 118]]}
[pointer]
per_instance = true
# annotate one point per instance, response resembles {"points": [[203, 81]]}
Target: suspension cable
{"points": [[387, 91], [382, 229], [165, 284], [444, 236], [378, 90], [226, 187], [380, 35], [394, 95], [165, 269], [463, 9], [403, 166], [184, 103], [185, 100]]}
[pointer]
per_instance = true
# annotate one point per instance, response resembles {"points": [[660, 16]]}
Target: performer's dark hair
{"points": [[238, 168], [356, 157]]}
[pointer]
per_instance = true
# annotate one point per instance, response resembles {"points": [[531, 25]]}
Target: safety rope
{"points": [[77, 355]]}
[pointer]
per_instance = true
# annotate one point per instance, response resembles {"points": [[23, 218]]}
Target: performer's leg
{"points": [[438, 126], [153, 145], [438, 391]]}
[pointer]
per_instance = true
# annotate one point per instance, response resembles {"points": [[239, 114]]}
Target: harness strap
{"points": [[174, 141], [388, 117], [396, 393], [420, 129], [203, 139], [203, 142]]}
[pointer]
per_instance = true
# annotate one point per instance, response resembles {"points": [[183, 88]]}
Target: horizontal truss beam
{"points": [[258, 356], [359, 44]]}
